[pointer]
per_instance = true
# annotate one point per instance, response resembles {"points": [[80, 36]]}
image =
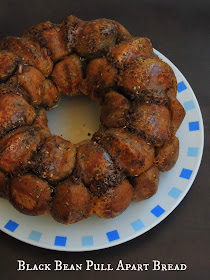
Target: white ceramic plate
{"points": [[82, 116]]}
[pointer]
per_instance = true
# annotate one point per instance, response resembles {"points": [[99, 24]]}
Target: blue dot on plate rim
{"points": [[35, 236], [174, 192], [189, 105], [113, 235], [192, 151], [157, 211], [11, 225], [87, 240], [186, 173], [194, 126], [137, 225], [181, 86], [60, 241]]}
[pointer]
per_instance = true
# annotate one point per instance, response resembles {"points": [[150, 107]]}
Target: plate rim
{"points": [[161, 218]]}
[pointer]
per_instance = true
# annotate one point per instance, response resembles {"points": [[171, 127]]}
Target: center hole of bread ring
{"points": [[75, 118]]}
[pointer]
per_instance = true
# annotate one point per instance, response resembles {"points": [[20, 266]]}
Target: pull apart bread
{"points": [[42, 173]]}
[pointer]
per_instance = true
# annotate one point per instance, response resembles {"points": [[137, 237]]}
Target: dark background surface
{"points": [[179, 30]]}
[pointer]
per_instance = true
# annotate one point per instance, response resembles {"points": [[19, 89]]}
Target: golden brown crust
{"points": [[152, 122], [8, 64], [50, 36], [122, 32], [3, 185], [67, 75], [129, 151], [14, 110], [30, 52], [172, 92], [72, 27], [101, 76], [146, 184], [114, 111], [17, 148], [30, 195], [177, 112], [41, 120], [167, 155], [33, 86], [147, 75], [51, 95], [71, 202], [55, 160], [95, 167], [159, 97], [127, 51], [95, 38], [114, 201], [29, 81], [97, 136]]}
